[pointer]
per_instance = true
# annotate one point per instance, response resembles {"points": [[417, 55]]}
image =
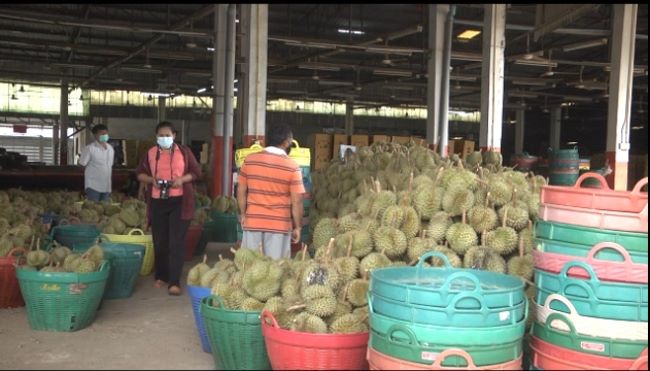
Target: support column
{"points": [[349, 117], [63, 119], [556, 128], [254, 26], [437, 18], [228, 104], [55, 142], [218, 79], [620, 93], [492, 77], [519, 131], [162, 111]]}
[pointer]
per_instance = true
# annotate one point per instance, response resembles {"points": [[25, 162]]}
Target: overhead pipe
{"points": [[444, 89], [228, 104]]}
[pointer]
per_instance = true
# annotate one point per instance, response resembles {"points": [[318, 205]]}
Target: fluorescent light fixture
{"points": [[584, 45], [210, 49], [235, 90], [347, 31], [344, 95], [457, 138], [571, 143], [639, 127], [156, 94], [202, 90], [522, 94], [236, 20], [468, 34], [533, 62]]}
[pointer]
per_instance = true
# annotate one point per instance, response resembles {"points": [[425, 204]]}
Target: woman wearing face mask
{"points": [[97, 160], [168, 170]]}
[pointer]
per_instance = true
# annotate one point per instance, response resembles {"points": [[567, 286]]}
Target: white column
{"points": [[218, 109], [437, 17], [492, 77], [620, 93], [254, 26], [519, 131], [556, 127]]}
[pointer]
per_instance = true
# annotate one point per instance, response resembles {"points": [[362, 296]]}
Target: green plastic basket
{"points": [[78, 237], [448, 336], [235, 336], [412, 350], [62, 301], [222, 227], [126, 261], [137, 236], [561, 232], [607, 347]]}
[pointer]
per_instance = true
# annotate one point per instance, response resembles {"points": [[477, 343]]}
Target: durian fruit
{"points": [[52, 268], [411, 224], [306, 322], [482, 218], [325, 229], [533, 205], [393, 217], [208, 277], [438, 226], [452, 257], [342, 308], [347, 266], [71, 262], [517, 216], [86, 264], [391, 241], [37, 258], [356, 292], [96, 254], [418, 246], [374, 260], [492, 158], [474, 159], [457, 201], [290, 288], [225, 265], [320, 274], [349, 222], [245, 257], [251, 305], [196, 272], [502, 239], [130, 217], [521, 265], [499, 190], [382, 200], [348, 324], [262, 280], [320, 300], [361, 313], [59, 253], [428, 201], [527, 237], [461, 236], [484, 258]]}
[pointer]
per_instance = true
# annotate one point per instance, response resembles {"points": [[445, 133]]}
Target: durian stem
{"points": [[487, 199], [304, 251], [38, 243], [529, 282], [483, 238], [521, 247], [349, 247], [464, 216], [205, 256], [296, 307], [505, 216], [31, 244], [221, 256], [328, 252], [365, 317], [232, 250]]}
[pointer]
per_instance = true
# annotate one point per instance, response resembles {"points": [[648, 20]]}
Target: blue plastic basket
{"points": [[439, 286], [466, 310], [197, 293], [592, 297]]}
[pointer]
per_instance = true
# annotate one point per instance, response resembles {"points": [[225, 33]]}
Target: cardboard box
{"points": [[380, 138], [359, 140], [320, 163], [337, 141], [322, 141], [400, 139], [464, 148], [421, 141], [205, 154]]}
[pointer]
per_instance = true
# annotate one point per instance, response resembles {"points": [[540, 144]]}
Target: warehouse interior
{"points": [[514, 85]]}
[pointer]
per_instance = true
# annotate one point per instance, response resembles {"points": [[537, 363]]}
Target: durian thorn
{"points": [[296, 307]]}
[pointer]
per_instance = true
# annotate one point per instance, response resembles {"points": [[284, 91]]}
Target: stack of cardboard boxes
{"points": [[461, 147]]}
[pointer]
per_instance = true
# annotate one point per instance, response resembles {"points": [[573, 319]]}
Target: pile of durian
{"points": [[61, 259], [114, 219], [396, 202], [321, 295], [19, 218], [225, 204]]}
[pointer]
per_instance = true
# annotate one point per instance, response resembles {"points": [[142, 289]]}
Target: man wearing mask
{"points": [[97, 159], [269, 193]]}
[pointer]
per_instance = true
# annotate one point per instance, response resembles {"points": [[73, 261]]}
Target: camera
{"points": [[164, 188]]}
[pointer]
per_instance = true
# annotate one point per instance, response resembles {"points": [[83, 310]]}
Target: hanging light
{"points": [[14, 97], [22, 89], [150, 98]]}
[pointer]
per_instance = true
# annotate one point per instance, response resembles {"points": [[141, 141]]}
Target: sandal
{"points": [[174, 290], [159, 284]]}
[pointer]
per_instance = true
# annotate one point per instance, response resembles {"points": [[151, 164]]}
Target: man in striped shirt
{"points": [[270, 193]]}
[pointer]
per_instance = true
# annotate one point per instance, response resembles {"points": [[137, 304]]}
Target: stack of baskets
{"points": [[126, 261], [138, 237], [591, 271], [78, 237], [437, 318]]}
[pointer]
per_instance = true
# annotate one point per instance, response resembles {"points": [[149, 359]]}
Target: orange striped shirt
{"points": [[271, 179]]}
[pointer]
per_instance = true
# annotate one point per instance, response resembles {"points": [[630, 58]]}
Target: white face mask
{"points": [[165, 142]]}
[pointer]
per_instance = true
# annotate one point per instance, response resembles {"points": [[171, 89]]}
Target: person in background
{"points": [[168, 170], [97, 159], [269, 194]]}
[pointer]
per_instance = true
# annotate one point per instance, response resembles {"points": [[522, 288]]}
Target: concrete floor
{"points": [[149, 330]]}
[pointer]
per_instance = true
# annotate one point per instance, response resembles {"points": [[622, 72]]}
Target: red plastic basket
{"points": [[380, 361], [191, 240], [291, 350], [625, 271], [552, 357], [602, 198], [10, 296]]}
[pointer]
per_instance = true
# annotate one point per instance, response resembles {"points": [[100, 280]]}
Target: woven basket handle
{"points": [[134, 230], [267, 315], [412, 340], [424, 257], [591, 257], [640, 184], [572, 310], [437, 364], [601, 179]]}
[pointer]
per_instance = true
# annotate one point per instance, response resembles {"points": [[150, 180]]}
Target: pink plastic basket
{"points": [[380, 361], [603, 219], [552, 357], [292, 350], [625, 271], [602, 198]]}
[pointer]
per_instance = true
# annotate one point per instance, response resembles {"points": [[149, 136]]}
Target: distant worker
{"points": [[269, 194], [168, 170], [97, 159]]}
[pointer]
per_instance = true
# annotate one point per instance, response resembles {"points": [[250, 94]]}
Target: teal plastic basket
{"points": [[592, 297], [222, 227], [126, 261], [60, 301], [573, 249], [447, 336], [78, 237], [574, 234], [413, 350], [439, 286], [457, 314]]}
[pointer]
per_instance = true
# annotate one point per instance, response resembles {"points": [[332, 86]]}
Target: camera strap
{"points": [[171, 162]]}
